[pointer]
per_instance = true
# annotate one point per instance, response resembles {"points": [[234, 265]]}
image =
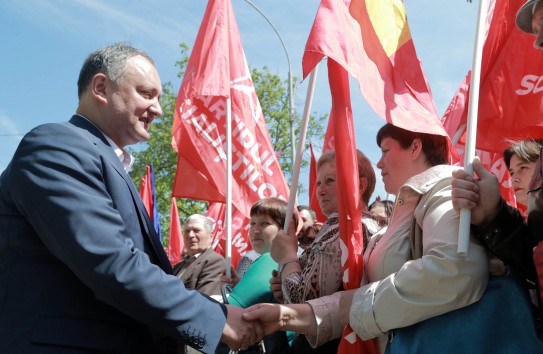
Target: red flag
{"points": [[146, 192], [313, 201], [510, 104], [175, 240], [372, 41], [148, 196], [240, 231], [216, 70], [349, 208], [492, 161]]}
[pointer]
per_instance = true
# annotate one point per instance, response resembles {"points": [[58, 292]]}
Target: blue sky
{"points": [[45, 42]]}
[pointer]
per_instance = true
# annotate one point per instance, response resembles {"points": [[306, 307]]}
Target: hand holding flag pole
{"points": [[300, 148], [465, 214]]}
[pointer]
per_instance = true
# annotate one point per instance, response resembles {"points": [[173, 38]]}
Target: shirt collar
{"points": [[124, 156], [424, 181]]}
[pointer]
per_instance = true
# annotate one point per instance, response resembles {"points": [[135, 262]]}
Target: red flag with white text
{"points": [[217, 70], [492, 161], [511, 85], [240, 232]]}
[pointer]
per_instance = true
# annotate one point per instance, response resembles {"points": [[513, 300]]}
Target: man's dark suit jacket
{"points": [[204, 273], [80, 264]]}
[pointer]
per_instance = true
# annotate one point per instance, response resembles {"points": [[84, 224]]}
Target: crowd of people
{"points": [[82, 270]]}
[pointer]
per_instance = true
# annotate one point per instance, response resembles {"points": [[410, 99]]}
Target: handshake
{"points": [[245, 327]]}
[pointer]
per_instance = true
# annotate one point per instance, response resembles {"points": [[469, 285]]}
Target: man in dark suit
{"points": [[81, 269], [202, 268]]}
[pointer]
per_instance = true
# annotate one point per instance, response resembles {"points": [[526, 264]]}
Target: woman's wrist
{"points": [[288, 258], [299, 318], [284, 265]]}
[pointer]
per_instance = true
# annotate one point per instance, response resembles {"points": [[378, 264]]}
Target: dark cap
{"points": [[524, 16]]}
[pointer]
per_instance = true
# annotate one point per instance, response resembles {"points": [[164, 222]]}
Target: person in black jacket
{"points": [[499, 226]]}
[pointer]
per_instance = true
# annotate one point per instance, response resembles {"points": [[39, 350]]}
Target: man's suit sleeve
{"points": [[58, 179]]}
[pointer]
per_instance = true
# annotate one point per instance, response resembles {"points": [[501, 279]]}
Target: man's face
{"points": [[133, 102], [306, 218], [196, 238], [537, 25], [379, 213]]}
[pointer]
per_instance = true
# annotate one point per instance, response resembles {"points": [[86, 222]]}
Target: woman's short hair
{"points": [[526, 150], [276, 208], [365, 170], [435, 147]]}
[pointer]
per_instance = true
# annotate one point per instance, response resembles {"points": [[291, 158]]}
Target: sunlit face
{"points": [[262, 231], [306, 218], [537, 25], [378, 213], [326, 187], [394, 165], [521, 173], [134, 102], [195, 236]]}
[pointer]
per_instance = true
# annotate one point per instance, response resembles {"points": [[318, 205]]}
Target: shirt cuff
{"points": [[328, 319], [361, 316]]}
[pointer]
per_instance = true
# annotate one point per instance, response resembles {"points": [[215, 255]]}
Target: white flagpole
{"points": [[228, 216], [465, 214], [458, 134], [300, 148]]}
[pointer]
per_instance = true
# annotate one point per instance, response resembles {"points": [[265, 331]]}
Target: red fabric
{"points": [[349, 209], [175, 239], [240, 232], [392, 81], [510, 104], [313, 201], [491, 161], [217, 70], [393, 84], [146, 192]]}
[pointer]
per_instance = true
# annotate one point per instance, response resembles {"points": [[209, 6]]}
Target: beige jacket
{"points": [[399, 291]]}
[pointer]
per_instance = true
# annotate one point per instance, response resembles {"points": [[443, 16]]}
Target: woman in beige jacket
{"points": [[399, 291]]}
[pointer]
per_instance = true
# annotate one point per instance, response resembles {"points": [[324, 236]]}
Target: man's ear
{"points": [[99, 87], [416, 148]]}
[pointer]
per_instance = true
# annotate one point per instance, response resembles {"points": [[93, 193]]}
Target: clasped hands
{"points": [[245, 327]]}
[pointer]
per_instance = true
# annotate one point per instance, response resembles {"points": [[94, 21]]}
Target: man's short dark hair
{"points": [[110, 61], [309, 210]]}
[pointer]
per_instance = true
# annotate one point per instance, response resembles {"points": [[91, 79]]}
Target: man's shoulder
{"points": [[211, 255], [56, 133]]}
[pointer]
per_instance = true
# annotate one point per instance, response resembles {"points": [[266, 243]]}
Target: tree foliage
{"points": [[272, 92]]}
